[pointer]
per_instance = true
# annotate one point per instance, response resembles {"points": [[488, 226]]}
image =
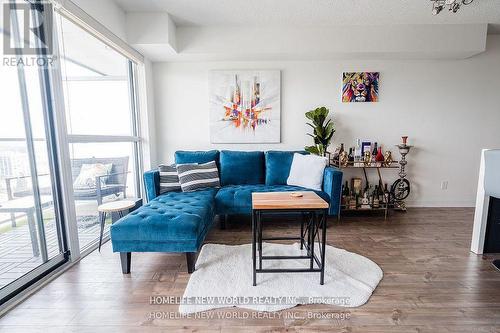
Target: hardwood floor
{"points": [[16, 251], [432, 283]]}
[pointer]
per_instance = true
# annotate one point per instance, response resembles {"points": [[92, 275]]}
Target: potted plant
{"points": [[323, 130]]}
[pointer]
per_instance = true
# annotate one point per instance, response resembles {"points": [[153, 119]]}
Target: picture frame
{"points": [[357, 185]]}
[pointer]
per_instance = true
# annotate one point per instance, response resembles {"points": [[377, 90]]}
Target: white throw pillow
{"points": [[307, 171], [89, 172]]}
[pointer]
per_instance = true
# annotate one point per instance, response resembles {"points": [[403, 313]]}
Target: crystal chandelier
{"points": [[453, 5]]}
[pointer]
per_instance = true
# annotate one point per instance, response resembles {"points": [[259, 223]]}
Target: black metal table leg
{"points": [[103, 221], [302, 222], [259, 228], [323, 248], [308, 232], [312, 231], [253, 247]]}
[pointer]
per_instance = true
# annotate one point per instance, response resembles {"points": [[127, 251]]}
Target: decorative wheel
{"points": [[400, 190]]}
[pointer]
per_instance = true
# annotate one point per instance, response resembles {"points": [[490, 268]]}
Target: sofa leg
{"points": [[191, 261], [125, 258], [223, 219]]}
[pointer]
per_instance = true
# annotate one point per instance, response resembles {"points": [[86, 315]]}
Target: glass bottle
{"points": [[386, 194], [343, 198], [375, 149], [380, 195], [357, 153], [345, 193], [380, 156], [375, 196], [370, 194]]}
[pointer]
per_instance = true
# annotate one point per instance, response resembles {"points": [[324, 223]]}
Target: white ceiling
{"points": [[295, 13]]}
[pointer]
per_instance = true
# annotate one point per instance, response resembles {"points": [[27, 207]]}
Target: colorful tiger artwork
{"points": [[360, 87]]}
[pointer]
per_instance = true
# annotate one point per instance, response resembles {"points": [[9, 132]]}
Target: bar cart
{"points": [[391, 199], [388, 202]]}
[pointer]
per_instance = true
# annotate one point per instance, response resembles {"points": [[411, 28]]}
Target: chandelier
{"points": [[453, 5]]}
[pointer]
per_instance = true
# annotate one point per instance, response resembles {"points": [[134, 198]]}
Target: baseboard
{"points": [[435, 204]]}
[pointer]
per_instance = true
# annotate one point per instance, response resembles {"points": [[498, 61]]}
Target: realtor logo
{"points": [[28, 28]]}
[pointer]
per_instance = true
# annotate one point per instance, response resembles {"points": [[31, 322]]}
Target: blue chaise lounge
{"points": [[179, 221]]}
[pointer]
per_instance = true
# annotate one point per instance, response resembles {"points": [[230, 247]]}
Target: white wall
{"points": [[450, 109], [149, 128], [107, 13]]}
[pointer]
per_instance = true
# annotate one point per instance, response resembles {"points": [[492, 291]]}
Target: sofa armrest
{"points": [[152, 184], [332, 185]]}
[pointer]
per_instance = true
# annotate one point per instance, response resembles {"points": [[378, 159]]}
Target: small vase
{"points": [[380, 156]]}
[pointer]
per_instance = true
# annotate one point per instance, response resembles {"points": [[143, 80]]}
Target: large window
{"points": [[100, 105]]}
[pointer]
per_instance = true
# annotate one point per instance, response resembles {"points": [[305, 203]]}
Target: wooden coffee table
{"points": [[314, 212]]}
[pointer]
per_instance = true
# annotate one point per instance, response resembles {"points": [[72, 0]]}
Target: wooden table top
{"points": [[284, 200], [116, 206]]}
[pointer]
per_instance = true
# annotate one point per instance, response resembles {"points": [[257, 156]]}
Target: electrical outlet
{"points": [[444, 185]]}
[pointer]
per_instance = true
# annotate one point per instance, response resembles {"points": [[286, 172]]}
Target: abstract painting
{"points": [[245, 106], [360, 87]]}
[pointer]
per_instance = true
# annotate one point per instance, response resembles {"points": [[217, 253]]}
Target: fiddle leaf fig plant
{"points": [[323, 130]]}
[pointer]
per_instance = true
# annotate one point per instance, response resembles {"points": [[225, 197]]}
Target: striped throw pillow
{"points": [[169, 181], [197, 176]]}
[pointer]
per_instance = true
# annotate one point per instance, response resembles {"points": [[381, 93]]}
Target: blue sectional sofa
{"points": [[179, 221]]}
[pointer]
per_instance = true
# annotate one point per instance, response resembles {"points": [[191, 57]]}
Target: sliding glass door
{"points": [[32, 239], [69, 139]]}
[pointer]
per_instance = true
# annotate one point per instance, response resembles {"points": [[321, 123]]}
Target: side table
{"points": [[308, 204], [119, 206]]}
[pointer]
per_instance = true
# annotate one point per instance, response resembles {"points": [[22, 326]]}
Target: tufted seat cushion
{"points": [[172, 222], [237, 199]]}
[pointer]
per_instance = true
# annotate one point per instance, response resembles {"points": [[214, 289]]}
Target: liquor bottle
{"points": [[380, 194], [343, 198], [350, 157], [353, 201], [375, 198], [380, 156], [370, 194], [387, 195], [345, 193], [357, 153], [341, 149], [375, 150]]}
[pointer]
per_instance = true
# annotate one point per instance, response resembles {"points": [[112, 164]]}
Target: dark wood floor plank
{"points": [[432, 283]]}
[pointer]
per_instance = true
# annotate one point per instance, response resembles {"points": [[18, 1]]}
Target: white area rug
{"points": [[223, 278]]}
